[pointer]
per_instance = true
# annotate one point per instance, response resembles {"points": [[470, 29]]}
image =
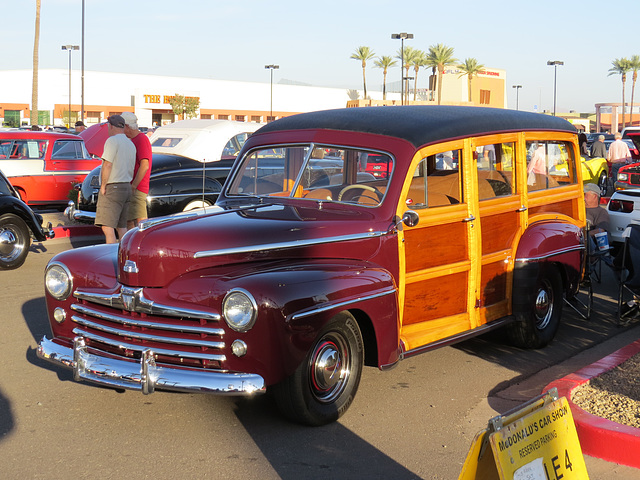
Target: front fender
{"points": [[561, 243], [296, 300]]}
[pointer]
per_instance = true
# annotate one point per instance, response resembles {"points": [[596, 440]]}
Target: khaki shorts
{"points": [[111, 210], [137, 205]]}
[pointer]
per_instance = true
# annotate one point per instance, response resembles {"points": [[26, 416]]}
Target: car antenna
{"points": [[204, 161]]}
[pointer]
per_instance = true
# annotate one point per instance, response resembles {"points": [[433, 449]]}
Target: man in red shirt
{"points": [[140, 182]]}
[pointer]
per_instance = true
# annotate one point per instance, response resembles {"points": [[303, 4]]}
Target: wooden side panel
{"points": [[565, 208], [434, 246], [499, 231], [436, 298]]}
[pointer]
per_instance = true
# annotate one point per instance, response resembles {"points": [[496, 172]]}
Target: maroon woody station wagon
{"points": [[309, 266]]}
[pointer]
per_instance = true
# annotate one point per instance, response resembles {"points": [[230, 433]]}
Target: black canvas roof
{"points": [[421, 125]]}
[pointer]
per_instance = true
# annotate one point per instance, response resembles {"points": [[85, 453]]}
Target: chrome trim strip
{"points": [[145, 376], [285, 245], [332, 306], [145, 336], [549, 255], [134, 322], [141, 348], [133, 300]]}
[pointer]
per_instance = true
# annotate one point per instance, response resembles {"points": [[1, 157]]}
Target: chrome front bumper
{"points": [[145, 375], [84, 216]]}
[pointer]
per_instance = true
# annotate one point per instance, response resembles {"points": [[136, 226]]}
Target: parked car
{"points": [[43, 167], [191, 160], [629, 175], [176, 184], [295, 279], [624, 209], [18, 224]]}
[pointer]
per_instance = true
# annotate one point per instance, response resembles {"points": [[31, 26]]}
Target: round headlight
{"points": [[57, 281], [623, 176], [239, 310]]}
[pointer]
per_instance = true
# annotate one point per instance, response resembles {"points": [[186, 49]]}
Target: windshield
{"points": [[316, 172]]}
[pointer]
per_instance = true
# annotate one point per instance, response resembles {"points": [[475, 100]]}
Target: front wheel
{"points": [[324, 385], [540, 309], [14, 241], [603, 183]]}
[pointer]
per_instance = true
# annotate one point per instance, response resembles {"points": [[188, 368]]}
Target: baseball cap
{"points": [[80, 123], [116, 121], [130, 119], [592, 188]]}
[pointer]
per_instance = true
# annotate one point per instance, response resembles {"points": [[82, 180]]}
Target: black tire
{"points": [[538, 309], [14, 241], [314, 395], [603, 183]]}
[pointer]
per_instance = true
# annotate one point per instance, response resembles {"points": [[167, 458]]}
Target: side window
{"points": [[495, 170], [549, 164], [234, 145], [436, 181], [67, 149], [28, 149]]}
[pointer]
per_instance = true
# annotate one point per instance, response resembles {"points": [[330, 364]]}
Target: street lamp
{"points": [[555, 64], [517, 87], [401, 36], [82, 74], [271, 68], [70, 48]]}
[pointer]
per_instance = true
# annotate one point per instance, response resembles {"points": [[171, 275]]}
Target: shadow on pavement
{"points": [[297, 451]]}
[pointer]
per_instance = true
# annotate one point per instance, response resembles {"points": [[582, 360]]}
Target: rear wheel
{"points": [[14, 241], [324, 385], [538, 317]]}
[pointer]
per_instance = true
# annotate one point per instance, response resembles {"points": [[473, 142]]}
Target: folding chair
{"points": [[629, 278], [582, 301]]}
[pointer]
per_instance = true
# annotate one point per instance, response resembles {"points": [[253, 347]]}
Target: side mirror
{"points": [[410, 218]]}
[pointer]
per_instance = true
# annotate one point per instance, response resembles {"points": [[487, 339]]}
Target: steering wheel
{"points": [[363, 187]]}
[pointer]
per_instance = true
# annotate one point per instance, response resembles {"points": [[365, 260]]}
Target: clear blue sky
{"points": [[312, 41]]}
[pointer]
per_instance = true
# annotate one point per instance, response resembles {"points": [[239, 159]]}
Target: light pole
{"points": [[555, 64], [401, 36], [271, 68], [517, 87], [70, 48], [82, 74]]}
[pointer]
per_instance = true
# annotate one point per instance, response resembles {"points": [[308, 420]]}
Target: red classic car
{"points": [[44, 166], [297, 278]]}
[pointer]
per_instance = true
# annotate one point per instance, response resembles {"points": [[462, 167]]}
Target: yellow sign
{"points": [[533, 444]]}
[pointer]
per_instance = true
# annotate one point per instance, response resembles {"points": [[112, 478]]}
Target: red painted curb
{"points": [[599, 437], [72, 231]]}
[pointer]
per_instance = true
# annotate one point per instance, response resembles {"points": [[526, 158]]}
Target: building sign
{"points": [[162, 99]]}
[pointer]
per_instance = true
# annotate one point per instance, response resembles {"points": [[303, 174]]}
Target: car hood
{"points": [[161, 249]]}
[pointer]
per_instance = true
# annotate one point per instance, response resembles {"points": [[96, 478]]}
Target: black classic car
{"points": [[176, 184], [18, 224]]}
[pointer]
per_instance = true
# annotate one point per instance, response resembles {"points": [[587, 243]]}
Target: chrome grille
{"points": [[126, 323]]}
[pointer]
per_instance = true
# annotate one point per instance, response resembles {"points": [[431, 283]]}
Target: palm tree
{"points": [[363, 54], [634, 63], [470, 68], [34, 85], [406, 56], [621, 66], [439, 57], [418, 60], [384, 62]]}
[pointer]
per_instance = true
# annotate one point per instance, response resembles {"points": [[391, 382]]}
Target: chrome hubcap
{"points": [[544, 307], [329, 368], [10, 246]]}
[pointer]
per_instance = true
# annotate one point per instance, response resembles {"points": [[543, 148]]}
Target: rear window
{"points": [[20, 149], [69, 149], [166, 142]]}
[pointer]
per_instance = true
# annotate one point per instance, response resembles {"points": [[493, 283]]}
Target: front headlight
{"points": [[239, 310], [58, 281], [623, 177]]}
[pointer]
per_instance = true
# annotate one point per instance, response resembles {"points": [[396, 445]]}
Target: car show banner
{"points": [[537, 441]]}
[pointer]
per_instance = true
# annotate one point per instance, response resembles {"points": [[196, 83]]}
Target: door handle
{"points": [[522, 209], [468, 219]]}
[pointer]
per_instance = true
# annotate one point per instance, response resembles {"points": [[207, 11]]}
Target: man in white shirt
{"points": [[618, 155], [118, 160]]}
